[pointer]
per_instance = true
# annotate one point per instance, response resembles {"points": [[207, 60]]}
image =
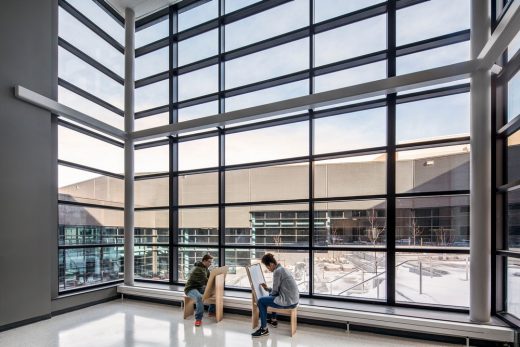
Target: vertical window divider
{"points": [[391, 156], [311, 150], [174, 150], [221, 136]]}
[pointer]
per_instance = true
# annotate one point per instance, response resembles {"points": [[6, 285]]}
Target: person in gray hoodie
{"points": [[283, 294]]}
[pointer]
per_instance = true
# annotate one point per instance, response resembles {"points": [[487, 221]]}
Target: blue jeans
{"points": [[263, 303], [199, 305]]}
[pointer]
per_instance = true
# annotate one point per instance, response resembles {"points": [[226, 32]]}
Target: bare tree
{"points": [[415, 229], [376, 228], [277, 239], [445, 236]]}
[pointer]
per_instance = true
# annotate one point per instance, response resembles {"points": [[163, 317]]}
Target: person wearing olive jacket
{"points": [[195, 287]]}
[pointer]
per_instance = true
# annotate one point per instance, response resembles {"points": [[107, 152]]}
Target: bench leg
{"points": [[294, 322], [255, 315], [219, 309], [188, 307]]}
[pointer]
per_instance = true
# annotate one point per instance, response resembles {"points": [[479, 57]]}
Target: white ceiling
{"points": [[141, 8]]}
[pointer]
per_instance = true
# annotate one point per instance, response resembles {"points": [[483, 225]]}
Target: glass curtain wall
{"points": [[507, 128], [361, 201], [90, 165]]}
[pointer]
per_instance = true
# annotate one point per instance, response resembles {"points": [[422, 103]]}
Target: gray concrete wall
{"points": [[27, 187], [28, 150]]}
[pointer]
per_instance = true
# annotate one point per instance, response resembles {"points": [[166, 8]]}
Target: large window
{"points": [[364, 200], [90, 165], [507, 183]]}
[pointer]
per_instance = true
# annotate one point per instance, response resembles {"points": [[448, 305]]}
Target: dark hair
{"points": [[207, 257], [268, 259]]}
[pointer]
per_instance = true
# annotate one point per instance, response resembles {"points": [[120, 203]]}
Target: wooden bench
{"points": [[215, 298], [291, 312]]}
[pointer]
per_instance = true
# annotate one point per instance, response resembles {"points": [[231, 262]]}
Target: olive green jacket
{"points": [[198, 278]]}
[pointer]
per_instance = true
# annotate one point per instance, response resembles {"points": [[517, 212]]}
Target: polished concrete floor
{"points": [[138, 323]]}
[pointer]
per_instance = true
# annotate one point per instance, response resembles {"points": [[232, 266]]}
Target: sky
{"points": [[447, 116]]}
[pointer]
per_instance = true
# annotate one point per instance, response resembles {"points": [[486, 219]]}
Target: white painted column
{"points": [[480, 171], [129, 144]]}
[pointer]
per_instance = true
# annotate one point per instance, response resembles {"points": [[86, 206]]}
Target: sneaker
{"points": [[211, 314], [198, 322], [272, 322], [260, 332]]}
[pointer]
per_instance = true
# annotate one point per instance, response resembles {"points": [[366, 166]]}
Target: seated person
{"points": [[195, 287], [284, 294]]}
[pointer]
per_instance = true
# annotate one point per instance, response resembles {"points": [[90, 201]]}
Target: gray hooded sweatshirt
{"points": [[284, 288]]}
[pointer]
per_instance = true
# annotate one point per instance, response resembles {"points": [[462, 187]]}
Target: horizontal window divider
{"points": [[400, 4], [350, 18], [197, 30], [433, 93], [152, 19], [268, 123], [196, 171], [151, 176], [102, 285], [273, 82], [513, 65], [509, 319], [225, 19], [456, 250], [362, 106], [197, 65], [151, 112], [432, 307], [197, 136], [432, 194], [97, 245], [67, 85], [196, 101], [507, 253], [351, 153], [509, 186], [185, 5], [339, 298], [435, 42], [86, 204], [237, 289], [258, 164], [350, 198], [151, 144], [89, 24], [348, 248], [146, 244], [111, 12], [152, 47], [90, 61], [215, 205], [266, 202], [152, 208], [461, 140], [90, 133], [161, 76], [90, 169], [147, 280], [258, 246], [195, 245], [510, 128], [267, 43], [350, 63], [252, 10]]}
